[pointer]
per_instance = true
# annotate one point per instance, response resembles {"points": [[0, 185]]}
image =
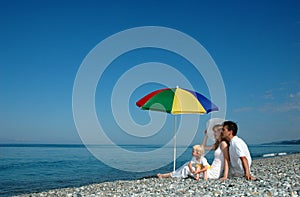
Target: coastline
{"points": [[276, 176]]}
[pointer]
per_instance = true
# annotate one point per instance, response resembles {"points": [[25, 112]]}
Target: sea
{"points": [[28, 168]]}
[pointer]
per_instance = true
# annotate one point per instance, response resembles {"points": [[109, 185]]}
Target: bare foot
{"points": [[197, 177], [167, 175], [252, 178]]}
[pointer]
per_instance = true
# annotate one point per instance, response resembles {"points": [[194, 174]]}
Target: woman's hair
{"points": [[199, 149], [217, 143]]}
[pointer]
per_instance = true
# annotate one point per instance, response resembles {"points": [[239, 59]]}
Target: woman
{"points": [[220, 165]]}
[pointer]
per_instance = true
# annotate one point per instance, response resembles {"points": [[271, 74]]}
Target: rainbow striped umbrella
{"points": [[176, 101]]}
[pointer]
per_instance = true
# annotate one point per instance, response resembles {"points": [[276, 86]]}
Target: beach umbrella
{"points": [[176, 101]]}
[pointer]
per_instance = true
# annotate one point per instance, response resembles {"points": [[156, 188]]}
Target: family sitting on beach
{"points": [[231, 157]]}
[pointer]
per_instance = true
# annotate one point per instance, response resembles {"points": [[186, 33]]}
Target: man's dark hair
{"points": [[231, 126]]}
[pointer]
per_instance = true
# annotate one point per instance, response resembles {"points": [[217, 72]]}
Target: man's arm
{"points": [[246, 168]]}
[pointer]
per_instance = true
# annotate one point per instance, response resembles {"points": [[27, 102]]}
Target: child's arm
{"points": [[191, 168], [203, 169], [204, 163], [197, 171]]}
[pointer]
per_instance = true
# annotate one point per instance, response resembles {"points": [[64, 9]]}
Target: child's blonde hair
{"points": [[199, 149]]}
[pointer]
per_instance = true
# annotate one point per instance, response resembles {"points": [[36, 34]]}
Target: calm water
{"points": [[33, 168]]}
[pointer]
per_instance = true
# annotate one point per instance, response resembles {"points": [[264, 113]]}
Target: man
{"points": [[240, 158]]}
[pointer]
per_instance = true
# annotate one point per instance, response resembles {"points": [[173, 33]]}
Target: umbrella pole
{"points": [[174, 164]]}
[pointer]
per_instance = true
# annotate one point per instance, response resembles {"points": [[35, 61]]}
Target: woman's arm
{"points": [[205, 141], [224, 148]]}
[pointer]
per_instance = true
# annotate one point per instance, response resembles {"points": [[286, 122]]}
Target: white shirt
{"points": [[238, 148], [203, 161]]}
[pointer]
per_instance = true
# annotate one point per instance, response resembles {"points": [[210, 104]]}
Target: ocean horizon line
{"points": [[113, 145], [83, 145]]}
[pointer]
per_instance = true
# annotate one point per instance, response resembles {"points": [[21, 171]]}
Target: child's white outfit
{"points": [[215, 171], [184, 171]]}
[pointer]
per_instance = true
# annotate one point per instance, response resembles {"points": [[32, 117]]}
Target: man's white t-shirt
{"points": [[238, 148]]}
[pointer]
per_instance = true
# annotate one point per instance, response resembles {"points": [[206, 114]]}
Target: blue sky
{"points": [[255, 44]]}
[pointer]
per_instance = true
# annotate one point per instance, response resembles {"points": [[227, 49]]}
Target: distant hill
{"points": [[286, 142]]}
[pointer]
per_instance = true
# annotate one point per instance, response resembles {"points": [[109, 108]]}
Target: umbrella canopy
{"points": [[177, 101]]}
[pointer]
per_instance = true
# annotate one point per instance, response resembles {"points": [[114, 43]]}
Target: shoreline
{"points": [[276, 176]]}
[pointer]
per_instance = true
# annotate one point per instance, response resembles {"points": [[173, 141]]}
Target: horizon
{"points": [[169, 146]]}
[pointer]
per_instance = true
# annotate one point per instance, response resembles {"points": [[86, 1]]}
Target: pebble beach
{"points": [[276, 176]]}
